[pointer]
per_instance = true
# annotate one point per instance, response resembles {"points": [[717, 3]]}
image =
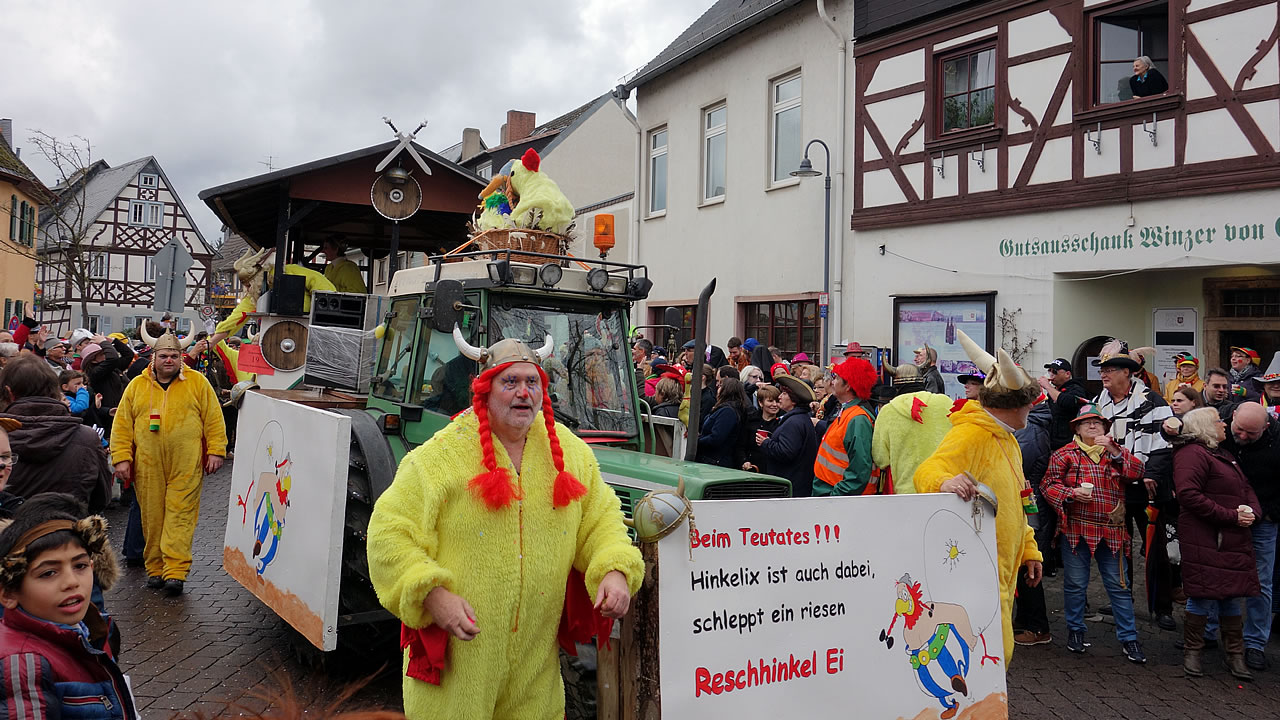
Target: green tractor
{"points": [[420, 380]]}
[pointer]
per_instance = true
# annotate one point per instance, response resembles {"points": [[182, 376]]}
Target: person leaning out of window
{"points": [[1146, 79]]}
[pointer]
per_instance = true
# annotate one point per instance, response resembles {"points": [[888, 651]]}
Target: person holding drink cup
{"points": [[1085, 484], [1217, 508]]}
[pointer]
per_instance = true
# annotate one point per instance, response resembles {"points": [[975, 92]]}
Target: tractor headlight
{"points": [[597, 278], [550, 274], [523, 275], [616, 285]]}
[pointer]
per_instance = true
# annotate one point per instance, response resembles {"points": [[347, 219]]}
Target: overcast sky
{"points": [[212, 89]]}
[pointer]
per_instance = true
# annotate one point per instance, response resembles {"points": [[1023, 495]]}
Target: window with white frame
{"points": [[97, 266], [714, 151], [658, 170], [485, 170], [148, 181], [149, 268], [382, 270], [146, 214], [787, 141], [95, 323]]}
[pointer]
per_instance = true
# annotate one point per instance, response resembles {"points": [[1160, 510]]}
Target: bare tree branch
{"points": [[65, 247]]}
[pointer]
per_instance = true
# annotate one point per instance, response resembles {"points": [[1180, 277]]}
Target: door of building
{"points": [[1266, 342]]}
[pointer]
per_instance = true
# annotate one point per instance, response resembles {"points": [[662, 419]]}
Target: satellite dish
{"points": [[284, 345], [396, 197]]}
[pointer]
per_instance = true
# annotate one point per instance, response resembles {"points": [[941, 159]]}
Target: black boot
{"points": [[1233, 645]]}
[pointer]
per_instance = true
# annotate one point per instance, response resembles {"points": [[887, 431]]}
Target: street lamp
{"points": [[806, 170]]}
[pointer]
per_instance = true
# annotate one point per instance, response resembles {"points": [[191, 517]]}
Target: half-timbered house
{"points": [[1000, 154], [125, 214]]}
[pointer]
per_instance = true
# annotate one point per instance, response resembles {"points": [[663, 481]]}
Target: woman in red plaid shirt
{"points": [[1085, 484]]}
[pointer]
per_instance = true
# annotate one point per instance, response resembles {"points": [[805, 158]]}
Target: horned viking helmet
{"points": [[504, 351], [1003, 374], [249, 267], [167, 340]]}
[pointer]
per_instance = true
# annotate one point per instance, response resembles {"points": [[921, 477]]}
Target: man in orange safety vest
{"points": [[844, 465]]}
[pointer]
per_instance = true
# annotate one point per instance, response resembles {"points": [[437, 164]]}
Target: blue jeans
{"points": [[1075, 568], [1213, 608], [1257, 622]]}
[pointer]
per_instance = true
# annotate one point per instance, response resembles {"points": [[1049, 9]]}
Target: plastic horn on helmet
{"points": [[470, 351], [983, 359], [146, 337], [545, 351], [1010, 374]]}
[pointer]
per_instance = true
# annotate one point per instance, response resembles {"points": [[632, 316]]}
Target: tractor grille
{"points": [[628, 502], [750, 489]]}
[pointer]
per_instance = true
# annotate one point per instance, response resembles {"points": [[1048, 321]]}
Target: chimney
{"points": [[6, 130], [519, 126], [471, 145]]}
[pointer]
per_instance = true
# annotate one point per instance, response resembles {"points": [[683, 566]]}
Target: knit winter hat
{"points": [[493, 485]]}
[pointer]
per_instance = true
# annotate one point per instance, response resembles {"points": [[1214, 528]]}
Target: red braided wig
{"points": [[494, 486]]}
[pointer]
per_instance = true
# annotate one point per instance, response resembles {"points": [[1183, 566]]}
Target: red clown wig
{"points": [[494, 486], [859, 374]]}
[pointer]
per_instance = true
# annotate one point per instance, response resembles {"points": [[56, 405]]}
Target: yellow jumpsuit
{"points": [[977, 444], [248, 304], [428, 530], [345, 276], [168, 464]]}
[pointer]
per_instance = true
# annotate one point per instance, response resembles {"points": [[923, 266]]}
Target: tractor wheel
{"points": [[376, 642]]}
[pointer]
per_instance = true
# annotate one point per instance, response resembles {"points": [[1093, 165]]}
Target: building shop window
{"points": [[146, 214], [786, 137], [968, 89], [147, 180], [485, 171], [688, 319], [98, 266], [715, 151], [1263, 302], [657, 171], [1121, 36], [792, 326]]}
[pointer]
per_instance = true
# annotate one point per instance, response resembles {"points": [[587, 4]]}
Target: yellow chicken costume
{"points": [[907, 431], [458, 516], [985, 448], [166, 434], [542, 205]]}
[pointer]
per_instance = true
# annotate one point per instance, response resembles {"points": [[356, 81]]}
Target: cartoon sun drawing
{"points": [[951, 558]]}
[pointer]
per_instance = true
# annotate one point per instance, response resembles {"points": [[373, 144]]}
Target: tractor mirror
{"points": [[446, 305]]}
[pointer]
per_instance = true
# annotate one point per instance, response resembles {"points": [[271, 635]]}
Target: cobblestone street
{"points": [[217, 645]]}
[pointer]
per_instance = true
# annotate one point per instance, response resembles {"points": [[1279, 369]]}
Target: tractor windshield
{"points": [[590, 375]]}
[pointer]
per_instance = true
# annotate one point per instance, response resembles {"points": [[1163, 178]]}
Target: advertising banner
{"points": [[870, 607]]}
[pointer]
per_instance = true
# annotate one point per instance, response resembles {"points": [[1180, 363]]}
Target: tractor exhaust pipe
{"points": [[699, 359]]}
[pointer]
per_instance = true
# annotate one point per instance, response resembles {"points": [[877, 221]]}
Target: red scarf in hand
{"points": [[579, 622]]}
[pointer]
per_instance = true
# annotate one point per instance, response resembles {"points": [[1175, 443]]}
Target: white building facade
{"points": [[1001, 161], [726, 112]]}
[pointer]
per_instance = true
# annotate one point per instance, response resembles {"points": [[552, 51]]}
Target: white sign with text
{"points": [[872, 607]]}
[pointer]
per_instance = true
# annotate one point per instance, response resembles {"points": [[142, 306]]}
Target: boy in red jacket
{"points": [[54, 657]]}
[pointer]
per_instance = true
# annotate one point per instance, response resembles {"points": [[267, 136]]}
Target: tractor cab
{"points": [[421, 376]]}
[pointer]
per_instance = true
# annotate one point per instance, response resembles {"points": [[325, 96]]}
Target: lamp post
{"points": [[806, 170]]}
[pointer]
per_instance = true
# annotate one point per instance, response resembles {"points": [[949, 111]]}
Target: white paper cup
{"points": [[1087, 487], [1245, 509]]}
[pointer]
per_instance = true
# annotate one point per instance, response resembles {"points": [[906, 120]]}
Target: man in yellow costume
{"points": [[344, 274], [167, 433], [980, 448], [492, 530]]}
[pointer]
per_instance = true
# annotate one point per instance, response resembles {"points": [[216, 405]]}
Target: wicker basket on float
{"points": [[515, 239]]}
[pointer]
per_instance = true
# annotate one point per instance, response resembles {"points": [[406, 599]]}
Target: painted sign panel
{"points": [[829, 607], [285, 511], [934, 322]]}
